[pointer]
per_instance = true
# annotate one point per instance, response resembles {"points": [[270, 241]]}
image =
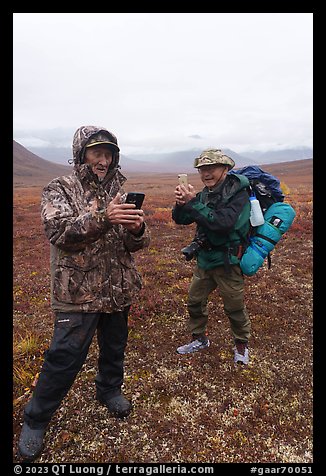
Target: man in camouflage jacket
{"points": [[92, 234]]}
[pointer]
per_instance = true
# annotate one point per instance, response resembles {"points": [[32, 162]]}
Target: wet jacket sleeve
{"points": [[134, 242], [63, 226], [181, 215], [221, 220]]}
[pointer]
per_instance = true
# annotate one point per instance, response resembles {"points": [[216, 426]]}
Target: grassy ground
{"points": [[190, 408]]}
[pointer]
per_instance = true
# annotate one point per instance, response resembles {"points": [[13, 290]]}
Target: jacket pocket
{"points": [[76, 279], [131, 281]]}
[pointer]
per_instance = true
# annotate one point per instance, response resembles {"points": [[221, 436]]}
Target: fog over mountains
{"points": [[31, 170], [181, 161]]}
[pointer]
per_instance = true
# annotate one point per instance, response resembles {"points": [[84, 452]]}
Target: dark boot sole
{"points": [[28, 459], [115, 413]]}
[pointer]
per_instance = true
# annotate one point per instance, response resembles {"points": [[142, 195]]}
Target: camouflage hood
{"points": [[82, 137]]}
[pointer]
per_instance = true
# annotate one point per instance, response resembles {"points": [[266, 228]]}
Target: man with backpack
{"points": [[221, 211]]}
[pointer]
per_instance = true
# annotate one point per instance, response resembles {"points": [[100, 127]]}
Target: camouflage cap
{"points": [[213, 157], [101, 139]]}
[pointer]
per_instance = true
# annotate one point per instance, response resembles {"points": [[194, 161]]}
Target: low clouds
{"points": [[165, 81]]}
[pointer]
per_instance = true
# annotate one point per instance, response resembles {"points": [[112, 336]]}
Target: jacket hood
{"points": [[82, 137]]}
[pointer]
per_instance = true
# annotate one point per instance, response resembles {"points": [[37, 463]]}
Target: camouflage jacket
{"points": [[92, 269]]}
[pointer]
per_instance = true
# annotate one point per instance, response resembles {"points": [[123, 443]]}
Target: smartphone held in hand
{"points": [[135, 197], [183, 179]]}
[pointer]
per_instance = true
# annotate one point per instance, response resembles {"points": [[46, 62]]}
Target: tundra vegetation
{"points": [[196, 408]]}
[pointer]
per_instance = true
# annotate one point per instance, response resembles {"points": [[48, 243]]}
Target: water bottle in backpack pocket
{"points": [[256, 214], [277, 220]]}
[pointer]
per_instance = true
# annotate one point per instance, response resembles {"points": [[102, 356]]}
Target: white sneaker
{"points": [[194, 346], [241, 353]]}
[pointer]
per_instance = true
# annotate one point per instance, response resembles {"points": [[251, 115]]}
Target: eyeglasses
{"points": [[209, 168]]}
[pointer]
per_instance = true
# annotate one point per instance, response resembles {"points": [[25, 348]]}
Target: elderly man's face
{"points": [[99, 157], [211, 175]]}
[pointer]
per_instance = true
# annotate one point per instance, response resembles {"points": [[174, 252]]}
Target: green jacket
{"points": [[222, 215]]}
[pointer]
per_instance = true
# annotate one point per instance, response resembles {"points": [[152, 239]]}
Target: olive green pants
{"points": [[231, 288]]}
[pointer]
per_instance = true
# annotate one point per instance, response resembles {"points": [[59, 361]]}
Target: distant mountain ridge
{"points": [[181, 161], [283, 155], [30, 169]]}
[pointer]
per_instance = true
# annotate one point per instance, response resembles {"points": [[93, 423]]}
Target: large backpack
{"points": [[277, 214]]}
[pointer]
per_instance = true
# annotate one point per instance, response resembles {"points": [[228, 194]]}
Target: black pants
{"points": [[73, 334]]}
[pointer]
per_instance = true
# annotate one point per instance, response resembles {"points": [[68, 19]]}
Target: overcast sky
{"points": [[165, 81]]}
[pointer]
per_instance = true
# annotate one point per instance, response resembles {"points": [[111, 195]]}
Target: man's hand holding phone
{"points": [[184, 191], [126, 214]]}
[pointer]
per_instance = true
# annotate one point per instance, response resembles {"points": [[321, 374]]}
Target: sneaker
{"points": [[30, 442], [194, 346], [241, 353]]}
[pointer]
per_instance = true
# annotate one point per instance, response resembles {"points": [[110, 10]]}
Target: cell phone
{"points": [[135, 197], [183, 179]]}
